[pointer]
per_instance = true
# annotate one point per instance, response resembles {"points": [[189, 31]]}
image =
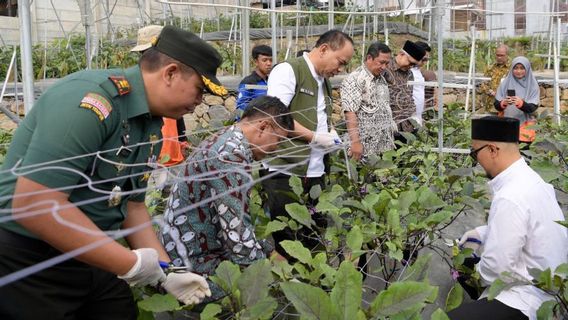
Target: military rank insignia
{"points": [[121, 84], [97, 104]]}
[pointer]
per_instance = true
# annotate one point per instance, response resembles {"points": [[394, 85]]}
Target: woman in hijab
{"points": [[518, 96]]}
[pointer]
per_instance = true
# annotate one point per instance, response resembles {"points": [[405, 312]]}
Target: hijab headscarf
{"points": [[526, 88]]}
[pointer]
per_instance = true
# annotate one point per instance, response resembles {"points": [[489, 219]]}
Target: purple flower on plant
{"points": [[312, 210], [455, 274], [363, 190]]}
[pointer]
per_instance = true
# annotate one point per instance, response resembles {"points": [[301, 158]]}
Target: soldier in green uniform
{"points": [[74, 180], [496, 72]]}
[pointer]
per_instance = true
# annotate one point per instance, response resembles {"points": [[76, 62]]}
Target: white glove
{"points": [[326, 139], [146, 270], [187, 287], [470, 239]]}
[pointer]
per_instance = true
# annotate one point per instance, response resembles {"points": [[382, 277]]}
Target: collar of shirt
{"points": [[137, 103], [316, 76], [369, 73], [501, 179], [245, 145]]}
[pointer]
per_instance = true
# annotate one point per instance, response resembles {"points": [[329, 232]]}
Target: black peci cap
{"points": [[498, 129], [413, 50]]}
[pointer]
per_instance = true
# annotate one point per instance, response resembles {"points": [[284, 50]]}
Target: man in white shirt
{"points": [[521, 232], [302, 85], [418, 92]]}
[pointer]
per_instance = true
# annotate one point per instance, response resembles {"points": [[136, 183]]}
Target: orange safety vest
{"points": [[170, 146]]}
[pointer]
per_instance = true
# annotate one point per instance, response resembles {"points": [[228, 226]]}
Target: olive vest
{"points": [[304, 110]]}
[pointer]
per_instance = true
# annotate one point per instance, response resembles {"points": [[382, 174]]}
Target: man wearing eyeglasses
{"points": [[521, 232], [397, 75]]}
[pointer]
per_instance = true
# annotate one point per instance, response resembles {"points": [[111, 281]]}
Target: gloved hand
{"points": [[470, 239], [187, 287], [326, 139], [146, 270]]}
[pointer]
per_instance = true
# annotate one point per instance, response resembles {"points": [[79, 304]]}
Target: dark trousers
{"points": [[484, 309], [277, 189], [69, 290]]}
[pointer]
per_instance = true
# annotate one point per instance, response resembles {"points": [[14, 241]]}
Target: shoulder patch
{"points": [[98, 104], [121, 84]]}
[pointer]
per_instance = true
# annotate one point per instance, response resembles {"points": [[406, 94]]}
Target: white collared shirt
{"points": [[418, 94], [282, 84], [521, 234]]}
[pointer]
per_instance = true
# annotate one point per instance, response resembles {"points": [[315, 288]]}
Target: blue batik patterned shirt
{"points": [[206, 219]]}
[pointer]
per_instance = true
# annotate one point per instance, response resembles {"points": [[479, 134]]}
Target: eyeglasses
{"points": [[473, 153]]}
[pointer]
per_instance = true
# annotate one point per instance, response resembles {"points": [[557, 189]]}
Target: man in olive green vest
{"points": [[302, 84], [74, 180]]}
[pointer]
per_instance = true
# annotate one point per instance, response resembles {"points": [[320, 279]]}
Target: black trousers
{"points": [[484, 309], [69, 290], [277, 189]]}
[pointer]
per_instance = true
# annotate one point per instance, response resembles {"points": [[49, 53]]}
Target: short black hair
{"points": [[301, 52], [261, 49], [334, 38], [377, 48], [423, 45], [264, 106]]}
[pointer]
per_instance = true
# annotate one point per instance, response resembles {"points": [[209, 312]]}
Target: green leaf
{"points": [[296, 185], [300, 213], [226, 275], [438, 217], [401, 296], [355, 239], [274, 225], [159, 303], [455, 297], [406, 199], [263, 309], [562, 270], [347, 293], [315, 192], [210, 311], [393, 219], [563, 223], [311, 302], [370, 200], [429, 200], [418, 271], [496, 287], [546, 169], [546, 310], [297, 250], [439, 314], [145, 315], [254, 282], [325, 206]]}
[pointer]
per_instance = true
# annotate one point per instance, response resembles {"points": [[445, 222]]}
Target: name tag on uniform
{"points": [[306, 91]]}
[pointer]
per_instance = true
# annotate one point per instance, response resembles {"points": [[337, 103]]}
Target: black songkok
{"points": [[413, 50], [498, 129]]}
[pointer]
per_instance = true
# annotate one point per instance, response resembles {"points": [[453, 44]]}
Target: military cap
{"points": [[413, 50], [493, 128], [146, 36], [194, 52]]}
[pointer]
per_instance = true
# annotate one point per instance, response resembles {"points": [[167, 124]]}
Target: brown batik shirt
{"points": [[401, 100]]}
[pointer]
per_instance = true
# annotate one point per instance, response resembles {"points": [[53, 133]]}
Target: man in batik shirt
{"points": [[365, 101], [496, 72], [397, 74], [206, 219]]}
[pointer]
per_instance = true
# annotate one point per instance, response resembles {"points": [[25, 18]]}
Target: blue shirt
{"points": [[246, 95]]}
